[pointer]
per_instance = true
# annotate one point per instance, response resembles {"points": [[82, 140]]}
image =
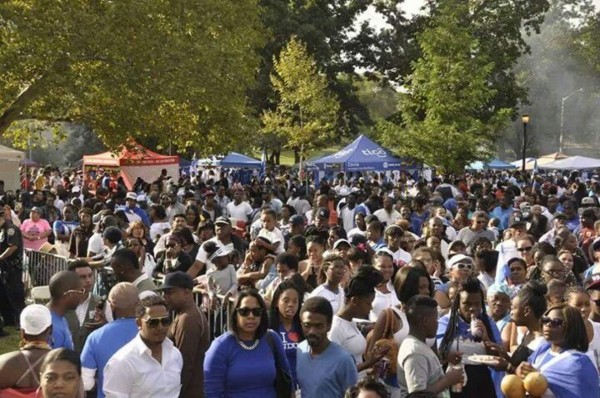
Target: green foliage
{"points": [[306, 112], [176, 71], [335, 40], [448, 91]]}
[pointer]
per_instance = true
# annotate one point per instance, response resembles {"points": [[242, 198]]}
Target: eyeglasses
{"points": [[245, 311], [480, 222], [553, 323], [524, 249], [170, 245], [154, 322]]}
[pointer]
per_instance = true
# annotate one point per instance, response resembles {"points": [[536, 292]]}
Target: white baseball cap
{"points": [[35, 318], [131, 195]]}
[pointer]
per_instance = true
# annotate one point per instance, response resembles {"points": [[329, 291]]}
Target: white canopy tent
{"points": [[573, 163], [9, 167]]}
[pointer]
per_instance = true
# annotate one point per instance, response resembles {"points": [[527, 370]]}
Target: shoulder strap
{"points": [[30, 370], [272, 346], [389, 323]]}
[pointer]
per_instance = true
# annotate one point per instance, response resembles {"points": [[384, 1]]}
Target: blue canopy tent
{"points": [[363, 154], [495, 164], [235, 159]]}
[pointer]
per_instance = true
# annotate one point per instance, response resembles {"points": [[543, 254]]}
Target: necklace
{"points": [[37, 345], [248, 347]]}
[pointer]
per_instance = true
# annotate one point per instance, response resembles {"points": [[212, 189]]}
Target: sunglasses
{"points": [[154, 322], [524, 249], [462, 266], [554, 272], [245, 311], [553, 323]]}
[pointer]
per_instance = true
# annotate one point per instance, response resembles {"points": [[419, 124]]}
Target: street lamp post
{"points": [[525, 120], [562, 118]]}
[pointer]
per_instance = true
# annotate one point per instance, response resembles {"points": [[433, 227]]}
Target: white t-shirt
{"points": [[274, 236], [383, 301], [158, 229], [240, 212], [335, 299], [347, 217], [95, 244], [402, 257], [387, 218], [347, 335]]}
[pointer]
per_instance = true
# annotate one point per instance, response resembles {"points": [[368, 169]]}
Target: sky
{"points": [[412, 6]]}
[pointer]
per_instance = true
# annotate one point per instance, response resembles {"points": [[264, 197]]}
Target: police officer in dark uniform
{"points": [[12, 290]]}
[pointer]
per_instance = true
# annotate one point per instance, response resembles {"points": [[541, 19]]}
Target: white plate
{"points": [[484, 359]]}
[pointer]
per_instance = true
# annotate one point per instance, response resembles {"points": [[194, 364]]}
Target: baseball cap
{"points": [[222, 221], [459, 259], [131, 196], [75, 189], [141, 198], [560, 216], [35, 319], [113, 234], [38, 210], [596, 244], [341, 242], [123, 295], [322, 212], [516, 221], [593, 282], [177, 279], [587, 201], [296, 220]]}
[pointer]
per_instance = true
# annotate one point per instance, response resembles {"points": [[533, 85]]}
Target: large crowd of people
{"points": [[367, 285]]}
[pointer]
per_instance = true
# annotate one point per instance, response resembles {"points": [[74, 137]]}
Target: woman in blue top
{"points": [[284, 319], [470, 331], [241, 363], [562, 359]]}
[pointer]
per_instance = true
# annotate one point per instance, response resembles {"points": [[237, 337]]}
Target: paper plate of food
{"points": [[484, 359]]}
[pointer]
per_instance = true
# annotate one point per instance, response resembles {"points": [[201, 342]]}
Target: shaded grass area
{"points": [[9, 343], [287, 156]]}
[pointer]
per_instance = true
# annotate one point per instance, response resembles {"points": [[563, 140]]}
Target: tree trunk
{"points": [[277, 154], [296, 155]]}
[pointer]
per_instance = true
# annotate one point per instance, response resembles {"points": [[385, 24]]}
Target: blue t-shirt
{"points": [[503, 215], [290, 341], [61, 335], [328, 375], [234, 372], [103, 343]]}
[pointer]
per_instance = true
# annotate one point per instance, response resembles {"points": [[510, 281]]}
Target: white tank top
{"points": [[402, 333]]}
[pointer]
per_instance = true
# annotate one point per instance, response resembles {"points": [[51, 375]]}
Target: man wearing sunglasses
{"points": [[149, 366], [189, 331]]}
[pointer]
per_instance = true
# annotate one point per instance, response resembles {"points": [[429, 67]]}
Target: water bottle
{"points": [[475, 330]]}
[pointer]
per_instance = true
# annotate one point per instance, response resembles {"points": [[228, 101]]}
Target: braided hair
{"points": [[471, 285]]}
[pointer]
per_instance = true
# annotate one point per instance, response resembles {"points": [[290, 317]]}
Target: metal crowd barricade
{"points": [[217, 311], [38, 267]]}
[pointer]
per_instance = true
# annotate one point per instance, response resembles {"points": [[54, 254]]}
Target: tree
{"points": [[500, 27], [447, 93], [172, 70], [335, 40], [306, 113]]}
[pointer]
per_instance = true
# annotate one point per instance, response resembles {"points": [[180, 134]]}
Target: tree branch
{"points": [[28, 95]]}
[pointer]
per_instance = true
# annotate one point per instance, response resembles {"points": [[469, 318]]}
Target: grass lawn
{"points": [[9, 343], [287, 157]]}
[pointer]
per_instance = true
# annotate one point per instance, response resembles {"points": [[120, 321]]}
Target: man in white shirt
{"points": [[239, 209], [149, 365], [387, 215]]}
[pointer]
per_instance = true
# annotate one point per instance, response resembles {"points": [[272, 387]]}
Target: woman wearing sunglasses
{"points": [[468, 330], [562, 360], [243, 362]]}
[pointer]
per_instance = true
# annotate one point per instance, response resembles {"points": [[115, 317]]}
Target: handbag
{"points": [[387, 342], [283, 381]]}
